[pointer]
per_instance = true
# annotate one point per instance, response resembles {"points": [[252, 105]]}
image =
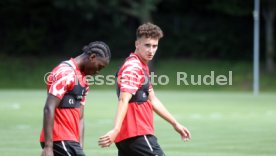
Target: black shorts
{"points": [[145, 145], [66, 148]]}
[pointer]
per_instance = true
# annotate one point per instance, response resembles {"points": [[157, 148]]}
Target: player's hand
{"points": [[183, 131], [107, 139], [47, 151]]}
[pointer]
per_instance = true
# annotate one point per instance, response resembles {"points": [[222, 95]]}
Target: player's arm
{"points": [[161, 110], [81, 126], [48, 122], [107, 139], [53, 100]]}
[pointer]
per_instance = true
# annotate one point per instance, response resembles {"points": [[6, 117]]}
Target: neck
{"points": [[142, 60], [79, 60]]}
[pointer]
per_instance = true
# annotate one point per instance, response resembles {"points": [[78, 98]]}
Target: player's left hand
{"points": [[183, 131]]}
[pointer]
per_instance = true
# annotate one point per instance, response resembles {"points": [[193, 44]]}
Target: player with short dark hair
{"points": [[63, 118], [133, 130]]}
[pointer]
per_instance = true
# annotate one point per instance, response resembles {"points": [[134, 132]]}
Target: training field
{"points": [[221, 123]]}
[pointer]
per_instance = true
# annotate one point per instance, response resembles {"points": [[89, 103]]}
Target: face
{"points": [[146, 48], [95, 64]]}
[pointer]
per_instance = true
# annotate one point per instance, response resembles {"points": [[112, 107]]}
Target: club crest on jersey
{"points": [[71, 101], [144, 95]]}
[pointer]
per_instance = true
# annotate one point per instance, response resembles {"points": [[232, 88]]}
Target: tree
{"points": [[237, 7], [141, 10], [232, 7], [269, 11]]}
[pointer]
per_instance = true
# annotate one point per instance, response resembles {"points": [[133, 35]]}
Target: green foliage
{"points": [[232, 7], [86, 7], [194, 37], [195, 29]]}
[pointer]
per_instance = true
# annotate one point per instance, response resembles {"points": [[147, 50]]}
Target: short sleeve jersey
{"points": [[139, 117], [61, 80]]}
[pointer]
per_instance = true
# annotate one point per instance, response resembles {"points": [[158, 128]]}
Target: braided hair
{"points": [[99, 48]]}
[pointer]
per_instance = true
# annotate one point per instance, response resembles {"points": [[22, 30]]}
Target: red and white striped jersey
{"points": [[62, 79], [139, 117]]}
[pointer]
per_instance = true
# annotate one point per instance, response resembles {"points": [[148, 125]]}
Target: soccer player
{"points": [[63, 119], [133, 130]]}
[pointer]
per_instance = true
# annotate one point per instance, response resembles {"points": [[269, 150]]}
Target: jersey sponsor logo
{"points": [[71, 101], [144, 95]]}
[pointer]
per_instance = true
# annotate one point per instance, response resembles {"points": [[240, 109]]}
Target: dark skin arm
{"points": [[81, 126], [48, 123]]}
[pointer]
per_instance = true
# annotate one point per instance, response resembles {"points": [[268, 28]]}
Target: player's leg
{"points": [[141, 146], [59, 148], [154, 144], [122, 148], [146, 145], [74, 148]]}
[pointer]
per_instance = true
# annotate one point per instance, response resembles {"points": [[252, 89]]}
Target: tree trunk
{"points": [[269, 24], [143, 13], [145, 17]]}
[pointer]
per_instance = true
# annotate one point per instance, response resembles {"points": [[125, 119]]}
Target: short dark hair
{"points": [[149, 30], [99, 48]]}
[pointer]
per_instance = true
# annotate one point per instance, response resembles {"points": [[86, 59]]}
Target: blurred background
{"points": [[200, 36]]}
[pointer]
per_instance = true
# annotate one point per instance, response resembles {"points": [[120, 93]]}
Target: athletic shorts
{"points": [[145, 145], [66, 148]]}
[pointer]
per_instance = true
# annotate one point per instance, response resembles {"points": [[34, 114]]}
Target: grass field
{"points": [[221, 123]]}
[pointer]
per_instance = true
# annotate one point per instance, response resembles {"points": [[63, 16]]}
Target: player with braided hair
{"points": [[63, 119], [97, 47]]}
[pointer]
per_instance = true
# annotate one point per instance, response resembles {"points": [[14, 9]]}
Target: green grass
{"points": [[28, 73], [221, 123]]}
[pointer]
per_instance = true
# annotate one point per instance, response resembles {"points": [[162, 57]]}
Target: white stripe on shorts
{"points": [[148, 142], [65, 148]]}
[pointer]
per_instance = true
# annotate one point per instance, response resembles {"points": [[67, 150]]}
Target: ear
{"points": [[137, 43], [92, 57]]}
